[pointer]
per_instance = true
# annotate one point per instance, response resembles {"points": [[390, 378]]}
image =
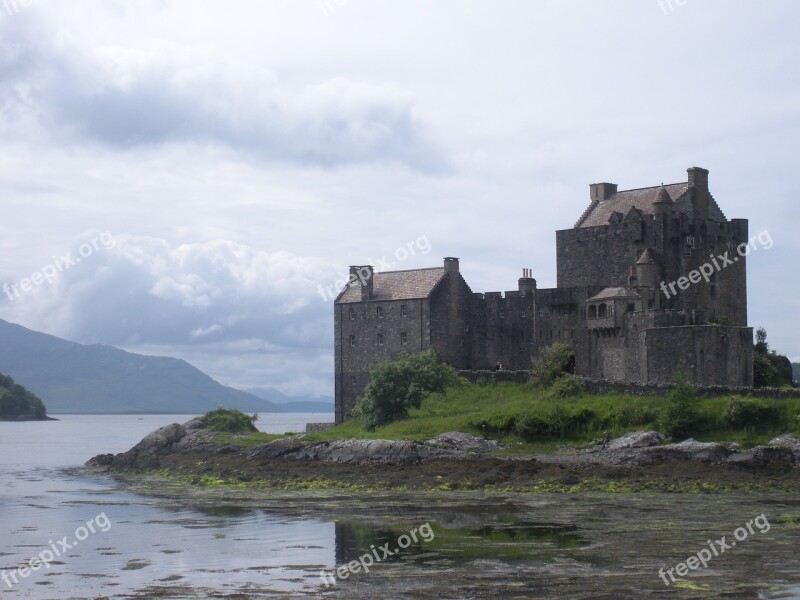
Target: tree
{"points": [[770, 369], [397, 386], [552, 363], [680, 416]]}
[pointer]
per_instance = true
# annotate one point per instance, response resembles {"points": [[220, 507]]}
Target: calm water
{"points": [[159, 538]]}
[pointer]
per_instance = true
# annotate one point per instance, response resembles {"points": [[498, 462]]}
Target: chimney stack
{"points": [[698, 185], [363, 276], [527, 283], [450, 264], [601, 191]]}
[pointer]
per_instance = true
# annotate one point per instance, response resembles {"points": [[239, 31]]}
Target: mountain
{"points": [[796, 371], [77, 378], [293, 403]]}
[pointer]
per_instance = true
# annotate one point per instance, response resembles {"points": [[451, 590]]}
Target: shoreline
{"points": [[456, 462]]}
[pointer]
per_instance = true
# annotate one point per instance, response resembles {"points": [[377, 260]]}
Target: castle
{"points": [[649, 282]]}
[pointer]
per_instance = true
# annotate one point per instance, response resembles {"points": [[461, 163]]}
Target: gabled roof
{"points": [[397, 285], [617, 292], [599, 212]]}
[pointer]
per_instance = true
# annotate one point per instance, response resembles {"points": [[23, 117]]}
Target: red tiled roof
{"points": [[397, 285], [643, 199]]}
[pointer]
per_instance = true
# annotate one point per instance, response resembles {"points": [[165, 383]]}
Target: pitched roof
{"points": [[397, 285], [600, 211], [648, 257], [617, 292]]}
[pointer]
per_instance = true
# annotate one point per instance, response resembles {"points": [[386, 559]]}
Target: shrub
{"points": [[397, 386], [681, 416], [551, 364], [498, 424], [751, 413], [229, 421], [568, 386], [558, 421]]}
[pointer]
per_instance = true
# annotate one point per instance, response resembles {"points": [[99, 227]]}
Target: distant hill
{"points": [[796, 371], [77, 378], [19, 404], [293, 403]]}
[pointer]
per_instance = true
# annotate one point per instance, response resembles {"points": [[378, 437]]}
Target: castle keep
{"points": [[612, 303]]}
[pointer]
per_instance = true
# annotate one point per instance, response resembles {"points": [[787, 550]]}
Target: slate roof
{"points": [[647, 258], [600, 211], [617, 292], [397, 285]]}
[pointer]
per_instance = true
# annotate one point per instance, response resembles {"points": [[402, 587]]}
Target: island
{"points": [[19, 404]]}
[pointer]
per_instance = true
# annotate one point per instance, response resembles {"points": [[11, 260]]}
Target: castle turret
{"points": [[648, 273], [663, 202]]}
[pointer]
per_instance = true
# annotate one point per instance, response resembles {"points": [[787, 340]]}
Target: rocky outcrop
{"points": [[456, 440], [634, 449], [401, 452], [636, 439]]}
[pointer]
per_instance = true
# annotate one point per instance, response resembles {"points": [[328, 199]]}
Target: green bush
{"points": [[568, 386], [397, 386], [551, 364], [223, 420], [558, 421], [497, 424], [751, 413], [681, 416]]}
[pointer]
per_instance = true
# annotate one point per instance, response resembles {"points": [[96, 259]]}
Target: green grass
{"points": [[249, 440], [532, 420]]}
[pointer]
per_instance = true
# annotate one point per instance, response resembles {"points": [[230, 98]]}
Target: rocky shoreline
{"points": [[457, 460]]}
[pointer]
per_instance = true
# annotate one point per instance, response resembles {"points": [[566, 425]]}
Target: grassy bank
{"points": [[537, 419]]}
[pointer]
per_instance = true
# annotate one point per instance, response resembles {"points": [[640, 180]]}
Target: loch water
{"points": [[155, 538]]}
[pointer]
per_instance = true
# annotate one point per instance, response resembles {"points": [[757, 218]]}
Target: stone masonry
{"points": [[610, 305]]}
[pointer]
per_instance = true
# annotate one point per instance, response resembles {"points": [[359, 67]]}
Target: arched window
{"points": [[601, 312], [592, 312]]}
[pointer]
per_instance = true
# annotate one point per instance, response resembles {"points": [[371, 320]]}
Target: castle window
{"points": [[352, 341], [352, 313], [541, 312], [502, 313], [379, 312], [403, 311], [523, 315], [353, 379], [380, 339], [403, 338], [592, 312], [601, 311], [631, 307]]}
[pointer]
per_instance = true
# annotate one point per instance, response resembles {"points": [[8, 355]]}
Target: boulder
{"points": [[636, 439], [764, 457], [161, 439], [457, 440]]}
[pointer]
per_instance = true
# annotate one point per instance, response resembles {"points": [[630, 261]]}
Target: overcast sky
{"points": [[243, 154]]}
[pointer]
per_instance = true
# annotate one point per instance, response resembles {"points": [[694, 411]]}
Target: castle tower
{"points": [[648, 274]]}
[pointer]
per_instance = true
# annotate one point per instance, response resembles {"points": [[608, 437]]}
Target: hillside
{"points": [[293, 403], [796, 371], [18, 404], [77, 378]]}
